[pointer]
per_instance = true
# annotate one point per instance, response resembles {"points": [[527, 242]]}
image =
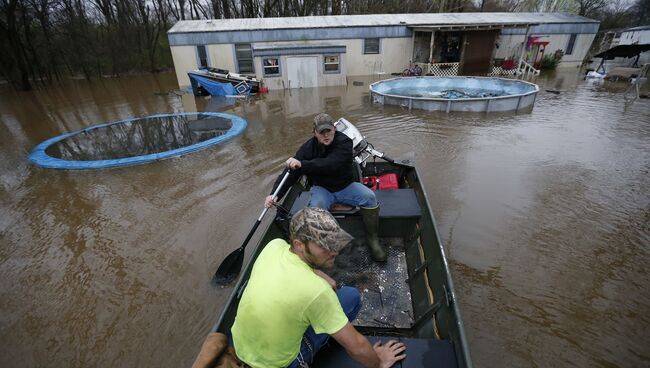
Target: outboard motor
{"points": [[360, 147], [359, 143]]}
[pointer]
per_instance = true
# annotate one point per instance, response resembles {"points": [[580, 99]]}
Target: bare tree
{"points": [[589, 8], [45, 39], [14, 62]]}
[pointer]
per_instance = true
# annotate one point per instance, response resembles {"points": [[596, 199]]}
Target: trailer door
{"points": [[302, 71], [477, 52]]}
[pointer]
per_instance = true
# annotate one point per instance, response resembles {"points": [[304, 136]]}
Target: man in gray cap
{"points": [[326, 159], [290, 307]]}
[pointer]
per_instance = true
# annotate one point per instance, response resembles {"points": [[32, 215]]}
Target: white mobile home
{"points": [[325, 50], [637, 36]]}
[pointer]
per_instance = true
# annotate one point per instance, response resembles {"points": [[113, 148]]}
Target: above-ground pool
{"points": [[471, 94], [136, 141]]}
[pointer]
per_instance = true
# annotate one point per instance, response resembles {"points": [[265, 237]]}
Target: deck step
{"points": [[420, 353], [393, 203]]}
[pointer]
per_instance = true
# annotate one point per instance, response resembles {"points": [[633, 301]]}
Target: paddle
{"points": [[231, 265]]}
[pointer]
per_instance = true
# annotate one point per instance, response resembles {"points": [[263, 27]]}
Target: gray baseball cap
{"points": [[318, 225], [323, 121]]}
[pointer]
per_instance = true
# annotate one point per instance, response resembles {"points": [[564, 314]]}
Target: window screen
{"points": [[271, 66], [331, 63], [569, 46], [371, 45], [244, 55], [203, 56]]}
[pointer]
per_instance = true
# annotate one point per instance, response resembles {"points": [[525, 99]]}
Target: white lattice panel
{"points": [[443, 69], [499, 71]]}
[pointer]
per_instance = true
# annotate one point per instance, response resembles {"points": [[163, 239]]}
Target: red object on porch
{"points": [[508, 64]]}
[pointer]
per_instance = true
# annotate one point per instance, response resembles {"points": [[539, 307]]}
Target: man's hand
{"points": [[389, 353], [268, 202], [293, 164]]}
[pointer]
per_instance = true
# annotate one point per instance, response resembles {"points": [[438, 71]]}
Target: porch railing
{"points": [[526, 71], [523, 70]]}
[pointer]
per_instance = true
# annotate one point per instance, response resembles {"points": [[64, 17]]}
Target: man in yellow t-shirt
{"points": [[290, 307]]}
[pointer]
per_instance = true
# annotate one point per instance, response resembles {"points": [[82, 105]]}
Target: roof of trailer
{"points": [[370, 20]]}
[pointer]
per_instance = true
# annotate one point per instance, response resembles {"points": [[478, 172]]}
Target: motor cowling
{"points": [[359, 143]]}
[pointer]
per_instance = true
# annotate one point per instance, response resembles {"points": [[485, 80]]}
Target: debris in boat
{"points": [[385, 293]]}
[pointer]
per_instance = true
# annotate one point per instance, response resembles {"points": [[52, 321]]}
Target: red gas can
{"points": [[383, 182]]}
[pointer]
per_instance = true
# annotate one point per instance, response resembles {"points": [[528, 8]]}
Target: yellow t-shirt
{"points": [[283, 297]]}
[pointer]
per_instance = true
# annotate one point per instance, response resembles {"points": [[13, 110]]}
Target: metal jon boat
{"points": [[411, 296]]}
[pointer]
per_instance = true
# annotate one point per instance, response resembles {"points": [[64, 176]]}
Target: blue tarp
{"points": [[213, 87]]}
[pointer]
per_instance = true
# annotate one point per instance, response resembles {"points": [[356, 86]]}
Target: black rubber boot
{"points": [[371, 222]]}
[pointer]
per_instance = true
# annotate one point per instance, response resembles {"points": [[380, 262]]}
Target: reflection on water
{"points": [[139, 137], [544, 217]]}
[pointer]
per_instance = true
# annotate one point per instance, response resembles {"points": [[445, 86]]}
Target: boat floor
{"points": [[420, 353], [385, 295]]}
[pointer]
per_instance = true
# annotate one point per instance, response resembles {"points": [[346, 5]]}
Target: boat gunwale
{"points": [[454, 309], [450, 284]]}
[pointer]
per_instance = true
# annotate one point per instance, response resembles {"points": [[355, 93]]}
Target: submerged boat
{"points": [[411, 296], [211, 81]]}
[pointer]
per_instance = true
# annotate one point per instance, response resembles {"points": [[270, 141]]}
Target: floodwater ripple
{"points": [[544, 217]]}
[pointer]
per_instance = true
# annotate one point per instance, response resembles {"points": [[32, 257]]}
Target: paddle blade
{"points": [[229, 268]]}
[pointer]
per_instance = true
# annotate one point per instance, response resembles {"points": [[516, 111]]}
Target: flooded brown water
{"points": [[545, 218]]}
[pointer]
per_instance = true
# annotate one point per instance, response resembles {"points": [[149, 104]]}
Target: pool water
{"points": [[136, 141]]}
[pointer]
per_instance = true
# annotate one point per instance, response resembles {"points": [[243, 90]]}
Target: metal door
{"points": [[477, 52], [302, 72]]}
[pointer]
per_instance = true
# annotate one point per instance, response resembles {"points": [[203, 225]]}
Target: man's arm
{"points": [[340, 155], [359, 348], [327, 278], [294, 175]]}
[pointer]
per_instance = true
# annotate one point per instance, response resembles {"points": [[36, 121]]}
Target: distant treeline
{"points": [[42, 41]]}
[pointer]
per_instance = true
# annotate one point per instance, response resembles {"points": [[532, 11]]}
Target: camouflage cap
{"points": [[323, 121], [319, 226]]}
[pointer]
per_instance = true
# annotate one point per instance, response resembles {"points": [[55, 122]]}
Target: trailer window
{"points": [[244, 55], [569, 46], [202, 55], [271, 66], [371, 45], [331, 64]]}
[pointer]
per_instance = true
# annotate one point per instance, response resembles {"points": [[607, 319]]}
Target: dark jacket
{"points": [[329, 167]]}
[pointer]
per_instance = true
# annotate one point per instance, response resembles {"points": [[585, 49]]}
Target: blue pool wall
{"points": [[39, 157]]}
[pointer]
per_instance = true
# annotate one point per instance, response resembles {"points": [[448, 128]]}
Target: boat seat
{"points": [[420, 353], [393, 203]]}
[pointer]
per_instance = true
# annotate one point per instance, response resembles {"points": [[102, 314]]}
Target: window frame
{"points": [[365, 46], [265, 67], [238, 59], [338, 64], [198, 56], [571, 44]]}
